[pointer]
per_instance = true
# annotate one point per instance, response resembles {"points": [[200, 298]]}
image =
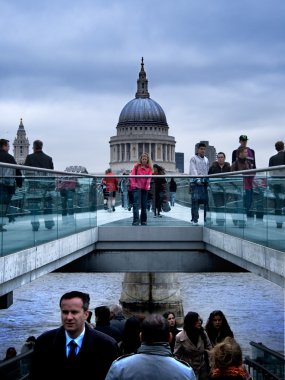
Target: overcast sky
{"points": [[68, 67]]}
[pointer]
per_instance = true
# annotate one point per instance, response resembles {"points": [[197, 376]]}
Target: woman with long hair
{"points": [[170, 316], [217, 327], [140, 188], [191, 345]]}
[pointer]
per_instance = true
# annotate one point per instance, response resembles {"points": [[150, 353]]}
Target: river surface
{"points": [[254, 307]]}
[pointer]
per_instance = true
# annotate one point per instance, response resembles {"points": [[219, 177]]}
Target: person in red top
{"points": [[111, 184], [140, 188]]}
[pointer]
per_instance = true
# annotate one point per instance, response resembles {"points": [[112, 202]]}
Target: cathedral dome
{"points": [[142, 110]]}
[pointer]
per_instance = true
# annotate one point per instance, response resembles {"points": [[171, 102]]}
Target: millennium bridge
{"points": [[38, 239]]}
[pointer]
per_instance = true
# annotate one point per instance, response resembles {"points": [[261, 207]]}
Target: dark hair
{"points": [[167, 313], [159, 168], [222, 154], [279, 145], [102, 314], [11, 352], [225, 330], [155, 328], [38, 144], [76, 294], [131, 335], [3, 142], [201, 145], [192, 332]]}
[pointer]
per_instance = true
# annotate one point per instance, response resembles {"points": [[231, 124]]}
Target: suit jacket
{"points": [[39, 160], [49, 361]]}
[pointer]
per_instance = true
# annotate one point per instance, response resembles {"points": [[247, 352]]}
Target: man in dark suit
{"points": [[39, 188], [278, 178], [75, 350]]}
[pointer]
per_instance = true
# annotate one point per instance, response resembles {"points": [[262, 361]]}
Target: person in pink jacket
{"points": [[140, 188]]}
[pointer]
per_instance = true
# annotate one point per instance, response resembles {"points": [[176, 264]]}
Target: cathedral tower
{"points": [[21, 145]]}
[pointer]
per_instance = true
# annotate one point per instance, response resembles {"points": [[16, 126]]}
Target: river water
{"points": [[254, 307]]}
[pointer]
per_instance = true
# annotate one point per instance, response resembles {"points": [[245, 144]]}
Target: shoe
{"points": [[278, 225], [105, 207], [144, 223], [135, 223], [129, 208], [160, 216], [113, 208], [195, 223], [154, 216]]}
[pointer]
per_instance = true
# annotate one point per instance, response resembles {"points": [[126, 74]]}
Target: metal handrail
{"points": [[17, 371], [268, 350], [64, 173]]}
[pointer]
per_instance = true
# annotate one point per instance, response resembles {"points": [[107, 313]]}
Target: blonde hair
{"points": [[226, 354], [149, 161]]}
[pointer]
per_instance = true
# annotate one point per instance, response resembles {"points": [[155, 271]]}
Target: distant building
{"points": [[142, 127], [21, 145], [211, 153], [179, 160]]}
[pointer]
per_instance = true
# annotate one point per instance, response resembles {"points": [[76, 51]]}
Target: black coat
{"points": [[215, 168], [9, 159], [94, 359], [39, 160], [277, 159]]}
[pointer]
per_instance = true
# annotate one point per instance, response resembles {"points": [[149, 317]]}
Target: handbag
{"points": [[165, 206]]}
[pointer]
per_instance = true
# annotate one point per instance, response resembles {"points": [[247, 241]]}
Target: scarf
{"points": [[230, 372]]}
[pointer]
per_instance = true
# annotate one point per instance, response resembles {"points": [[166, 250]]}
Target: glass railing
{"points": [[249, 206], [51, 205]]}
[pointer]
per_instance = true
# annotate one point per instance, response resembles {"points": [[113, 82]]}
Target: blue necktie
{"points": [[72, 351]]}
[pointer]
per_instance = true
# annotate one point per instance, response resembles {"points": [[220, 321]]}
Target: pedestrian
{"points": [[39, 194], [172, 191], [9, 179], [111, 186], [140, 187], [199, 165], [243, 139], [124, 190], [153, 360], [159, 188], [117, 319], [227, 363], [102, 319], [170, 317], [192, 343], [74, 350], [217, 186], [217, 327], [277, 181], [242, 163]]}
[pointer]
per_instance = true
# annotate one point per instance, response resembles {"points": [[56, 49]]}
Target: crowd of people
{"points": [[133, 348], [243, 158], [142, 193]]}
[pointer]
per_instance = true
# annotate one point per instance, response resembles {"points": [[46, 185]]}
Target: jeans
{"points": [[67, 199], [139, 202], [248, 198], [172, 198]]}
